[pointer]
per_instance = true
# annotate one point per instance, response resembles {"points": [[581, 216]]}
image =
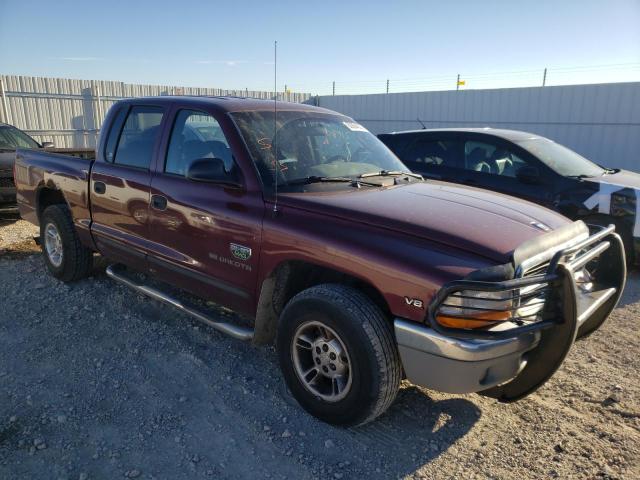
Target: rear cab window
{"points": [[138, 134], [114, 134]]}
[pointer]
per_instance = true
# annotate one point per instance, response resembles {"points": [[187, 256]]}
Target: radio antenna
{"points": [[275, 124]]}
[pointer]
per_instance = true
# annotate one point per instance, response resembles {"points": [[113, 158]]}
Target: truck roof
{"points": [[228, 104], [513, 135]]}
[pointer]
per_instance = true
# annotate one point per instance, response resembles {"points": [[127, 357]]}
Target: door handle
{"points": [[158, 202], [99, 187]]}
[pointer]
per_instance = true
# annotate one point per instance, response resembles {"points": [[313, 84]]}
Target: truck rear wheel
{"points": [[338, 355], [66, 258]]}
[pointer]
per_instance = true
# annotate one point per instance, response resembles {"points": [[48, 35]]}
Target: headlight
{"points": [[470, 309]]}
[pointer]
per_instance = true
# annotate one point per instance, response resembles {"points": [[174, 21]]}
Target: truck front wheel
{"points": [[338, 355], [66, 258]]}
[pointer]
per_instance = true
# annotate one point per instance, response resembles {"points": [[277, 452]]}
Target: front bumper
{"points": [[509, 364], [457, 365]]}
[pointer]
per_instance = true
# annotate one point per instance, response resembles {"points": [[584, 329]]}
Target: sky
{"points": [[417, 45]]}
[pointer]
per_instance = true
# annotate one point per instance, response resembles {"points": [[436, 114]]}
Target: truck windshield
{"points": [[560, 159], [312, 145]]}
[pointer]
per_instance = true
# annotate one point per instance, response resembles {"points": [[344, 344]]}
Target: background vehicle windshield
{"points": [[13, 138], [560, 159], [310, 144]]}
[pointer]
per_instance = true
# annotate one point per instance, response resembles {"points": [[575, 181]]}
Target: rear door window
{"points": [[114, 134], [431, 154], [139, 136]]}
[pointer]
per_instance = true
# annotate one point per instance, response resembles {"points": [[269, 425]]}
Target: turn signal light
{"points": [[478, 320]]}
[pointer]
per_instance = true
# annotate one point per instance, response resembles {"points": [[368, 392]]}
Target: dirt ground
{"points": [[98, 382]]}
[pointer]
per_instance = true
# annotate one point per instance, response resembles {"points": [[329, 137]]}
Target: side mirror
{"points": [[529, 175], [211, 170], [48, 145]]}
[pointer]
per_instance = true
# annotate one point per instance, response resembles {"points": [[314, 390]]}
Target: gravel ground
{"points": [[98, 382]]}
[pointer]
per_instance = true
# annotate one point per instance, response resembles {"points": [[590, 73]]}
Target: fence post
{"points": [[544, 77], [387, 85], [5, 108], [99, 113], [458, 82], [334, 89]]}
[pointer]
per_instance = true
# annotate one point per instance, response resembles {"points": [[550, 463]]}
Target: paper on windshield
{"points": [[355, 127]]}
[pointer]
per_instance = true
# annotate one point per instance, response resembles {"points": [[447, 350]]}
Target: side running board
{"points": [[235, 331]]}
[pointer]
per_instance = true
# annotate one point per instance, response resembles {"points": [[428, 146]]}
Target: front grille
{"points": [[537, 270], [531, 301]]}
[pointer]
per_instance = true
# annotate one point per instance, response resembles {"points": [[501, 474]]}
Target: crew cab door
{"points": [[119, 185], [205, 234]]}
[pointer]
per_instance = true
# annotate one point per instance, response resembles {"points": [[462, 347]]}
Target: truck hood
{"points": [[478, 221]]}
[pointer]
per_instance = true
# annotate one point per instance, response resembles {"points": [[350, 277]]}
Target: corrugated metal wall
{"points": [[601, 122], [70, 112]]}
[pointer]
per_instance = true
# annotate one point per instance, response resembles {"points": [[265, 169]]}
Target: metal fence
{"points": [[601, 122], [69, 112], [539, 77]]}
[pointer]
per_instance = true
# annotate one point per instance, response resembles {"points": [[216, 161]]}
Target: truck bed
{"points": [[35, 169]]}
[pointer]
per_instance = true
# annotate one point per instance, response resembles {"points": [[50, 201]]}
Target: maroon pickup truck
{"points": [[361, 273]]}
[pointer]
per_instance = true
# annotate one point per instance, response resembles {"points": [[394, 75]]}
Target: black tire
{"points": [[77, 260], [367, 334]]}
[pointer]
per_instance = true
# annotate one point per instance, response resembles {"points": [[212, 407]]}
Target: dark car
{"points": [[358, 270], [11, 139], [528, 166]]}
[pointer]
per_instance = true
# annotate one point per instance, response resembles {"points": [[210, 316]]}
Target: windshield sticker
{"points": [[354, 127]]}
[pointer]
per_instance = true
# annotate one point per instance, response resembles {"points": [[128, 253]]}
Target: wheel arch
{"points": [[47, 195], [290, 278]]}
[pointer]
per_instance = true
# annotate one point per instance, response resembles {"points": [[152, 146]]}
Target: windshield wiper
{"points": [[318, 179], [390, 173]]}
